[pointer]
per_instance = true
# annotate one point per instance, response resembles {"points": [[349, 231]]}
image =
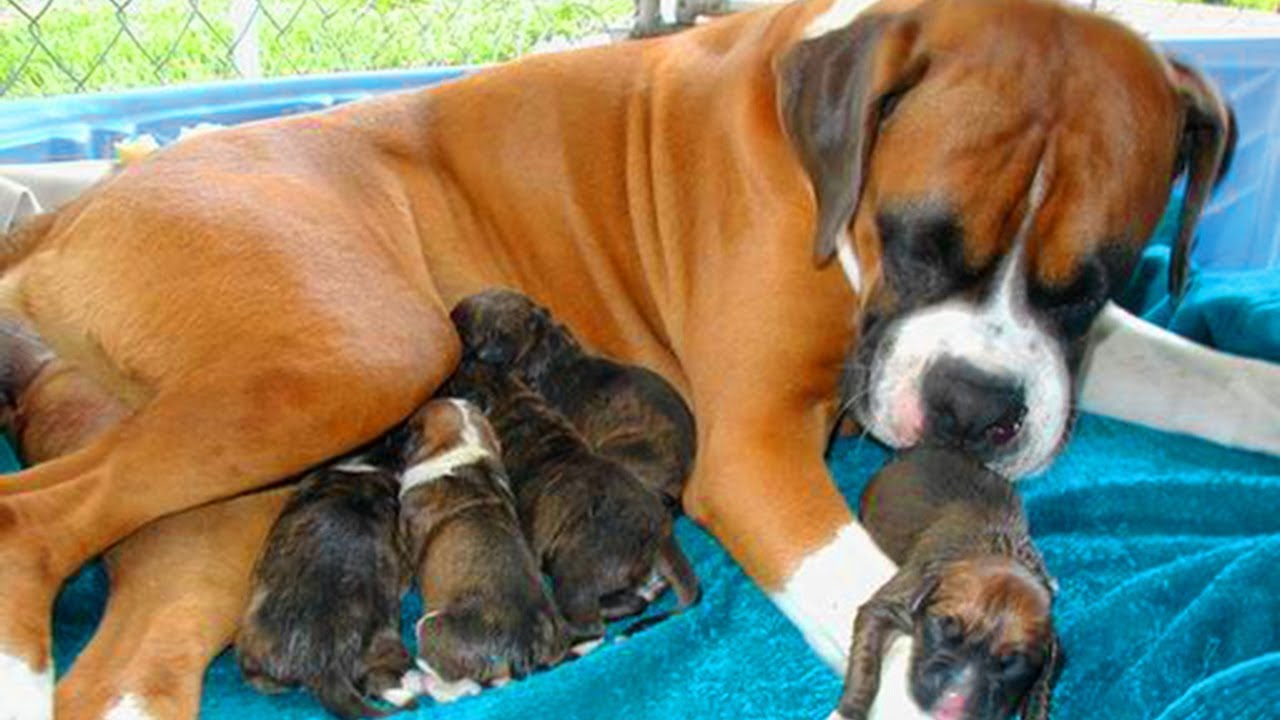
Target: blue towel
{"points": [[1166, 549], [1237, 311]]}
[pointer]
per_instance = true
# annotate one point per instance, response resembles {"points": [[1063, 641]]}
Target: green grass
{"points": [[87, 45]]}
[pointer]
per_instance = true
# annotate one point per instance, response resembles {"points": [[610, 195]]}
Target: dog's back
{"points": [[326, 595], [936, 491]]}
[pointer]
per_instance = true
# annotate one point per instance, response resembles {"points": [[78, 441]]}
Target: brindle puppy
{"points": [[971, 589], [594, 527], [489, 615], [325, 607], [627, 413]]}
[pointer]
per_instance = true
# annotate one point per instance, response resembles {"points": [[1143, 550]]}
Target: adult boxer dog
{"points": [[270, 296]]}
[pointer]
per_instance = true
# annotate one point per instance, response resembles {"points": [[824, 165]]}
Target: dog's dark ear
{"points": [[1205, 148], [1035, 706], [834, 90]]}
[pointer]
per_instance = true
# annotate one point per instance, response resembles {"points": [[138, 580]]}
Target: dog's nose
{"points": [[971, 407]]}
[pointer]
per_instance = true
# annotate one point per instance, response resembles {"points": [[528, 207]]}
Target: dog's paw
{"points": [[27, 693]]}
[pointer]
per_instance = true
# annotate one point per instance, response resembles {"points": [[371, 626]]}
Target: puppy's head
{"points": [[450, 431], [985, 644], [987, 172], [499, 326]]}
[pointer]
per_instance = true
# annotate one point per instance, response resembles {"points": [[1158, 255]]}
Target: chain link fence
{"points": [[50, 47]]}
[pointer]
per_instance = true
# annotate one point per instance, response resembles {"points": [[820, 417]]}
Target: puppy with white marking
{"points": [[972, 591], [489, 616], [627, 413], [325, 607], [595, 529]]}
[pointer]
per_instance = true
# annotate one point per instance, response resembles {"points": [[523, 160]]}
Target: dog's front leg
{"points": [[762, 488]]}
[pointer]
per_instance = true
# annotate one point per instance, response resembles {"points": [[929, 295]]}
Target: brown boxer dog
{"points": [[177, 586], [270, 296]]}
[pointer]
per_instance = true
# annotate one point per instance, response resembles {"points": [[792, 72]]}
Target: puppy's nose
{"points": [[970, 407]]}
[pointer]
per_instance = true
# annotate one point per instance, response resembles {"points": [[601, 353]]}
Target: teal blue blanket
{"points": [[1166, 548]]}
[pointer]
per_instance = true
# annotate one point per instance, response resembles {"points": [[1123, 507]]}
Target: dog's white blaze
{"points": [[822, 597], [838, 15], [128, 707], [25, 694], [999, 336], [470, 451]]}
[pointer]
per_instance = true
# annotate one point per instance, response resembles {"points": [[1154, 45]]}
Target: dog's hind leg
{"points": [[178, 589], [227, 428]]}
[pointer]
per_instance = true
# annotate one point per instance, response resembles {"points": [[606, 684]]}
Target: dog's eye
{"points": [[923, 252], [946, 630], [1015, 666], [1073, 308]]}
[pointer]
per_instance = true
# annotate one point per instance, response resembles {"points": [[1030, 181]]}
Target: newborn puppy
{"points": [[626, 413], [489, 615], [325, 608], [971, 589], [594, 528]]}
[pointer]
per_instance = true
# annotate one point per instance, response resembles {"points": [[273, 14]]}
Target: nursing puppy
{"points": [[595, 529], [971, 589], [489, 615], [325, 607], [625, 412]]}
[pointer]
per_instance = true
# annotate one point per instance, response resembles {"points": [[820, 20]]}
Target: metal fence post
{"points": [[245, 53]]}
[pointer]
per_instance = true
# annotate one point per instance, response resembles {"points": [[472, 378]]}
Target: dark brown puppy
{"points": [[594, 527], [627, 413], [489, 614], [325, 607], [971, 589]]}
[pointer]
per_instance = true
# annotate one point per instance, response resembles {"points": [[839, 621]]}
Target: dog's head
{"points": [[985, 646], [987, 173], [501, 327]]}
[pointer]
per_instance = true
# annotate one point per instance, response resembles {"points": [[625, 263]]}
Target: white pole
{"points": [[244, 23]]}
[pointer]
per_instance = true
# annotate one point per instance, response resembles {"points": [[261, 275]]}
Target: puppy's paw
{"points": [[441, 690], [488, 643]]}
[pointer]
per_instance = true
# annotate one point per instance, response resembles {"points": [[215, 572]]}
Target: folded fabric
{"points": [[1236, 311], [1165, 548]]}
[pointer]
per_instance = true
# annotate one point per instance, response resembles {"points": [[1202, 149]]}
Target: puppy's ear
{"points": [[1035, 706], [1205, 149], [833, 92], [920, 598]]}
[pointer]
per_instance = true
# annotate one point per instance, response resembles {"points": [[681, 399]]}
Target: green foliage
{"points": [[89, 45]]}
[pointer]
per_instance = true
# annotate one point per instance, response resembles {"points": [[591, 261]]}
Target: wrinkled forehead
{"points": [[1013, 91], [997, 598]]}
